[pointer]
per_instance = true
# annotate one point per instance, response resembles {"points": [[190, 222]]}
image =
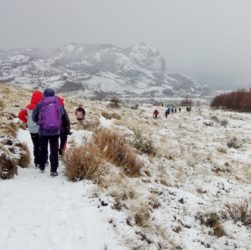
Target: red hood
{"points": [[61, 101], [37, 97]]}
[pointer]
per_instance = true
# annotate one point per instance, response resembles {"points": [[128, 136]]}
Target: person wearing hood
{"points": [[25, 115], [48, 114]]}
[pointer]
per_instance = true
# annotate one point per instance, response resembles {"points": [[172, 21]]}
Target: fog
{"points": [[209, 40]]}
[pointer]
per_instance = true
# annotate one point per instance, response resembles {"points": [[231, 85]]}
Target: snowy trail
{"points": [[41, 212]]}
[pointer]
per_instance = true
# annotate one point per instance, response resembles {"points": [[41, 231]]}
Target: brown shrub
{"points": [[111, 115], [114, 103], [11, 129], [145, 146], [115, 148], [2, 104], [82, 162], [8, 167], [238, 212], [212, 220], [24, 159], [142, 215]]}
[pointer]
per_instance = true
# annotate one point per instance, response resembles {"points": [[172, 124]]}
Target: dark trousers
{"points": [[36, 145], [63, 140], [53, 141]]}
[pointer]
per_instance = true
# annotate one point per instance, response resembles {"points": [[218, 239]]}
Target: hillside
{"points": [[193, 193], [98, 71]]}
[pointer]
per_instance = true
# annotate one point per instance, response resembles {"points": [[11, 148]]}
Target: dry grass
{"points": [[143, 145], [24, 159], [115, 148], [82, 162], [212, 220], [233, 143], [2, 104], [114, 103], [111, 115], [238, 212], [8, 167], [142, 215], [11, 129]]}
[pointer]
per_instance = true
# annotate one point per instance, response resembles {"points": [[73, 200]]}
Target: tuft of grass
{"points": [[115, 148], [143, 145], [11, 129], [110, 115], [24, 159], [8, 167], [238, 212], [2, 104], [114, 103], [82, 162], [233, 143], [142, 215], [212, 220]]}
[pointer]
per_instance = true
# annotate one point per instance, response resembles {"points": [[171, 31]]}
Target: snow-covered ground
{"points": [[195, 173]]}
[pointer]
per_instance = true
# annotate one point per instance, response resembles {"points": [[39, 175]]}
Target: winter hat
{"points": [[49, 92]]}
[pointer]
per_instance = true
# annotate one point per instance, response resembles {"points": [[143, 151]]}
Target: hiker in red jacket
{"points": [[80, 114], [155, 114], [25, 115]]}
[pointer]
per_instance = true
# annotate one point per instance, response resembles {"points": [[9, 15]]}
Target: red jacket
{"points": [[37, 96]]}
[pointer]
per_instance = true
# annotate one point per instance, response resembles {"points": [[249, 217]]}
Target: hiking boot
{"points": [[41, 169], [54, 173]]}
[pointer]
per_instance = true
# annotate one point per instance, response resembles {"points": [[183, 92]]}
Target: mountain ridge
{"points": [[95, 70]]}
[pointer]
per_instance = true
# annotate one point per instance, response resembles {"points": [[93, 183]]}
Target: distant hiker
{"points": [[80, 114], [65, 129], [49, 114], [167, 112], [25, 115], [179, 109], [155, 114], [188, 109]]}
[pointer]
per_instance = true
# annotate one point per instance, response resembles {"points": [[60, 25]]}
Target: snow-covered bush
{"points": [[233, 143], [115, 148], [142, 144], [24, 159], [8, 167], [82, 162], [212, 220]]}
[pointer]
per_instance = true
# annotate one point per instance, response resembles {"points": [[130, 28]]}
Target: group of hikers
{"points": [[169, 110], [47, 121]]}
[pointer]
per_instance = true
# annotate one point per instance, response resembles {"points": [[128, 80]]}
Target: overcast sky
{"points": [[210, 40]]}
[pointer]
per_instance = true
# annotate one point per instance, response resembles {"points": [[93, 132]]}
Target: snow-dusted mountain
{"points": [[97, 71]]}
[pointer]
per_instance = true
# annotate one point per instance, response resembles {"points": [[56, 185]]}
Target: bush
{"points": [[238, 212], [212, 220], [145, 146], [114, 103], [233, 143], [8, 167], [111, 115], [238, 100], [82, 162], [24, 159], [115, 148]]}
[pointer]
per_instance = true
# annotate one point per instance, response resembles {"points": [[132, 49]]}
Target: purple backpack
{"points": [[50, 114]]}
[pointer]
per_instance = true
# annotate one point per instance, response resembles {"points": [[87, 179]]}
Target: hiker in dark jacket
{"points": [[25, 115], [80, 114], [167, 112], [65, 129], [48, 113]]}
